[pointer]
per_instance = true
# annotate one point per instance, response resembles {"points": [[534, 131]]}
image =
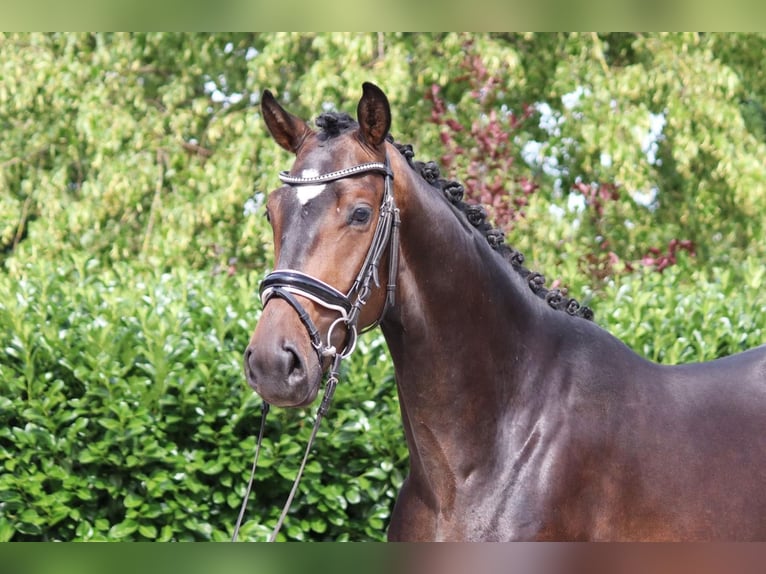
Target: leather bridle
{"points": [[286, 284]]}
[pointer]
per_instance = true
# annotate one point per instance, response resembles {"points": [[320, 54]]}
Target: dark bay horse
{"points": [[524, 420]]}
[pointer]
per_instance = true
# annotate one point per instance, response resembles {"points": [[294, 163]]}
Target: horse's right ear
{"points": [[288, 131]]}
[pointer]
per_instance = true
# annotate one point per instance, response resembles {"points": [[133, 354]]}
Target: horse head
{"points": [[332, 222]]}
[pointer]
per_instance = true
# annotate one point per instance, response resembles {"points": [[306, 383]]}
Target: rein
{"points": [[286, 283]]}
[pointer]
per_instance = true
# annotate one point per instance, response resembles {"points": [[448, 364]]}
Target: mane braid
{"points": [[333, 124], [477, 216]]}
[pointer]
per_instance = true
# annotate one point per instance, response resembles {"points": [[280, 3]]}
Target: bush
{"points": [[125, 416], [683, 315]]}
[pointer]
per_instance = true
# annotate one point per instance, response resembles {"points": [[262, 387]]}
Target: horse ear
{"points": [[373, 114], [288, 131]]}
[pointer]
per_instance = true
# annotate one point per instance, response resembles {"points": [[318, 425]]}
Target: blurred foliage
{"points": [[132, 172]]}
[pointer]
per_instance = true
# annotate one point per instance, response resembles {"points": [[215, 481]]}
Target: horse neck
{"points": [[458, 332]]}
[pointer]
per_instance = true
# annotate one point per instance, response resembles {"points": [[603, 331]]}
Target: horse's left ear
{"points": [[374, 115]]}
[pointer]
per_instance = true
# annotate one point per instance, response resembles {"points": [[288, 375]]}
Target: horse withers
{"points": [[524, 420]]}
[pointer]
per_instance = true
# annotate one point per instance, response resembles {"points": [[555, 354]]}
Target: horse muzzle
{"points": [[283, 370]]}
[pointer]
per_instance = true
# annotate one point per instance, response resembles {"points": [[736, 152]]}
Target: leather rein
{"points": [[285, 284]]}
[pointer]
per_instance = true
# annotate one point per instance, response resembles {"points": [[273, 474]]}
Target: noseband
{"points": [[286, 283]]}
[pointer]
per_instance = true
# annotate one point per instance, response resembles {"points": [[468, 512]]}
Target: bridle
{"points": [[285, 284]]}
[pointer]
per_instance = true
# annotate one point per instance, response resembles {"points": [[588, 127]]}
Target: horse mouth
{"points": [[284, 393], [311, 395], [287, 400]]}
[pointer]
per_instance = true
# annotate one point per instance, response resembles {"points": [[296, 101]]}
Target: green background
{"points": [[132, 241]]}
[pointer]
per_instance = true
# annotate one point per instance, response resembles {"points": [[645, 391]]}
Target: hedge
{"points": [[124, 413]]}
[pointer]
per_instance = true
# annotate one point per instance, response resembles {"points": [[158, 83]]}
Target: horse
{"points": [[523, 418]]}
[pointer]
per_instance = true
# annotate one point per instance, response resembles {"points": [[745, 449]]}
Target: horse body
{"points": [[526, 423]]}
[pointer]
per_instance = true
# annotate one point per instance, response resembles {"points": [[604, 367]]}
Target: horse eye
{"points": [[360, 215], [268, 216]]}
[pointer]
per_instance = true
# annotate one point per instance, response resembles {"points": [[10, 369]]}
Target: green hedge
{"points": [[124, 414], [688, 314]]}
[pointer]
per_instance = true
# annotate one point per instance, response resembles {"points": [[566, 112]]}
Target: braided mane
{"points": [[333, 124]]}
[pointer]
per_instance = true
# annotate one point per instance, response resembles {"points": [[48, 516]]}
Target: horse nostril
{"points": [[293, 363], [249, 366]]}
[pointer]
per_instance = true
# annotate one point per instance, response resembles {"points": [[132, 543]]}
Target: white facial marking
{"points": [[306, 193]]}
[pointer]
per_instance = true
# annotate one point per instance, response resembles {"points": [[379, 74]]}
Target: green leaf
{"points": [[6, 530], [132, 500], [29, 523], [148, 531], [9, 496], [319, 526], [123, 529], [109, 424], [166, 534], [84, 530], [213, 467], [353, 496]]}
